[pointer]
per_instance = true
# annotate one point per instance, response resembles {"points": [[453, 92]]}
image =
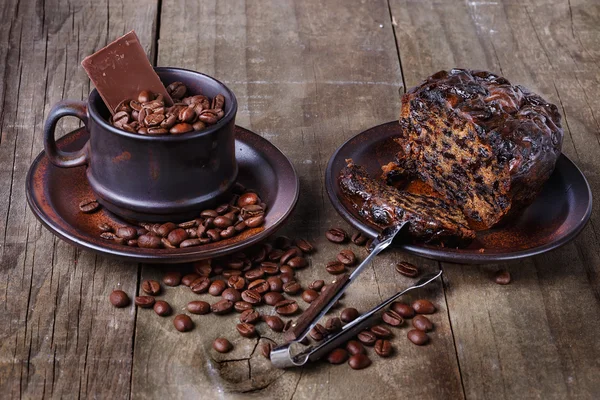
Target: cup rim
{"points": [[95, 115]]}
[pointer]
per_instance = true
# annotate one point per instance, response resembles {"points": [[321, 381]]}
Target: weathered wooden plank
{"points": [[529, 339], [59, 337], [308, 75]]}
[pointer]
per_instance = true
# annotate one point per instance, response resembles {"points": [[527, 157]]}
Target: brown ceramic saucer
{"points": [[557, 215], [54, 194]]}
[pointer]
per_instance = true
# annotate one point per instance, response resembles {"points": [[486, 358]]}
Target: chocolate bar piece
{"points": [[121, 70]]}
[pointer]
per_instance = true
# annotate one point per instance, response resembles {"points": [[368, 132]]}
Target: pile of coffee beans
{"points": [[244, 210], [148, 115]]}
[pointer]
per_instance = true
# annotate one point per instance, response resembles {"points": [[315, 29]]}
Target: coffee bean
{"points": [[317, 285], [236, 282], [289, 254], [383, 348], [359, 361], [223, 306], [187, 115], [251, 296], [172, 278], [274, 322], [105, 227], [297, 262], [337, 356], [259, 285], [346, 257], [423, 307], [355, 347], [246, 330], [318, 333], [292, 287], [422, 323], [304, 245], [275, 255], [127, 232], [381, 332], [182, 127], [189, 278], [286, 307], [417, 337], [335, 267], [241, 306], [272, 298], [502, 277], [255, 222], [200, 285], [367, 338], [165, 228], [250, 316], [151, 287], [309, 295], [222, 222], [254, 274], [198, 307], [349, 314], [248, 199], [287, 277], [222, 345], [333, 324], [252, 211], [166, 244], [403, 309], [392, 318], [176, 236], [119, 298], [162, 308], [217, 287], [275, 284], [88, 206], [407, 269], [359, 239], [144, 301], [265, 350], [231, 294], [183, 323], [214, 234], [145, 96], [336, 235], [228, 233]]}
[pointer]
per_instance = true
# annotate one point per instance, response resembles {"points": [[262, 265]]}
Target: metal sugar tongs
{"points": [[282, 356]]}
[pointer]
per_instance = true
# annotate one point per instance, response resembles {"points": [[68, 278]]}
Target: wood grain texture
{"points": [[308, 75], [59, 336], [531, 339]]}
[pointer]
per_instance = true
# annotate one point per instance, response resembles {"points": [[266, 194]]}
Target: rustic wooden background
{"points": [[308, 75]]}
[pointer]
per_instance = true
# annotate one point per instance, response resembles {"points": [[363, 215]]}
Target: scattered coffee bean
{"points": [[119, 298], [162, 308], [203, 268], [383, 348], [317, 285], [347, 257], [223, 306], [417, 337], [337, 356], [236, 282], [88, 206], [274, 322], [309, 295], [241, 306], [286, 307], [367, 338], [222, 345], [392, 318], [292, 287], [359, 361], [251, 296], [272, 298], [304, 245], [336, 235], [144, 301], [407, 269], [349, 314], [286, 278], [189, 278], [254, 274], [355, 347], [318, 333], [502, 277], [403, 309], [359, 239], [381, 332], [286, 269], [333, 324], [265, 350], [250, 316], [231, 294], [200, 285], [260, 285], [335, 267], [246, 330], [423, 306], [297, 262], [275, 284], [198, 307], [183, 323], [151, 287], [422, 323], [172, 278]]}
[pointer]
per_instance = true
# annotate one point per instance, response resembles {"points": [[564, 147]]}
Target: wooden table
{"points": [[308, 75]]}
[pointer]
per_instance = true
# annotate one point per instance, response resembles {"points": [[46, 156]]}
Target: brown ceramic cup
{"points": [[152, 178]]}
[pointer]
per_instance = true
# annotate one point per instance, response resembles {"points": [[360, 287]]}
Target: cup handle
{"points": [[64, 159]]}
